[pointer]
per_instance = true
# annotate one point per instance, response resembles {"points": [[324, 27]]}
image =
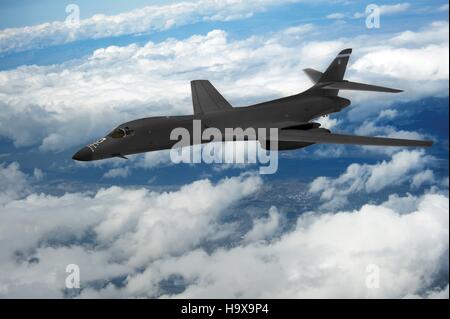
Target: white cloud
{"points": [[13, 183], [117, 172], [368, 178], [264, 228], [38, 174], [63, 105], [329, 151], [130, 227], [394, 8], [402, 205], [421, 178], [388, 114], [325, 256], [429, 63], [148, 237], [437, 33], [336, 16], [143, 20], [327, 122], [154, 159], [418, 58], [444, 7], [298, 30], [438, 293], [390, 173]]}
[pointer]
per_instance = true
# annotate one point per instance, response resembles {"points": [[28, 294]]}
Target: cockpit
{"points": [[121, 132]]}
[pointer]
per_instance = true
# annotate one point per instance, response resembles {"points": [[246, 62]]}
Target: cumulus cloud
{"points": [[425, 52], [147, 19], [110, 233], [402, 204], [388, 114], [369, 178], [421, 178], [38, 174], [424, 37], [13, 182], [336, 16], [117, 172], [438, 293], [392, 172], [138, 243], [429, 62], [328, 122], [264, 228], [320, 258]]}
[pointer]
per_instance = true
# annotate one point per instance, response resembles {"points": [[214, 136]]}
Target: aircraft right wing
{"points": [[324, 137]]}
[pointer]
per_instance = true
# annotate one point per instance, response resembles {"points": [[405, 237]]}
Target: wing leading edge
{"points": [[311, 136]]}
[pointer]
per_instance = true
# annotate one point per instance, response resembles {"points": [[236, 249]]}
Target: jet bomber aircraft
{"points": [[291, 116]]}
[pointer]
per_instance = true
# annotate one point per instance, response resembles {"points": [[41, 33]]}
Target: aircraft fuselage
{"points": [[153, 133]]}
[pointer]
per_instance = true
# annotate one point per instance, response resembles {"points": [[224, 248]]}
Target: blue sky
{"points": [[25, 13], [61, 88]]}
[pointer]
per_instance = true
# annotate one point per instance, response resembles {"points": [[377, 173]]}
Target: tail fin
{"points": [[332, 80], [336, 70]]}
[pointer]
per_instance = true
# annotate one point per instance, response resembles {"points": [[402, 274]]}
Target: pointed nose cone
{"points": [[85, 154]]}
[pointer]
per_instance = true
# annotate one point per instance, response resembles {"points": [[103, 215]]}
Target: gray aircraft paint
{"points": [[291, 115]]}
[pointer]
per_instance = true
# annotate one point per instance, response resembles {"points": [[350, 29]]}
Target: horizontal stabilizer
{"points": [[332, 80], [347, 85], [313, 75], [313, 136]]}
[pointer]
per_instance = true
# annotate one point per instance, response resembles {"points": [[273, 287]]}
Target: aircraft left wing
{"points": [[206, 99], [324, 137]]}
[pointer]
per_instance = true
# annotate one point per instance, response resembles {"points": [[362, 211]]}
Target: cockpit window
{"points": [[121, 132], [117, 133]]}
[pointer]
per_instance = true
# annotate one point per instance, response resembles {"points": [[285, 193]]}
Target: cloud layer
{"points": [[139, 243], [365, 178], [110, 233], [143, 20]]}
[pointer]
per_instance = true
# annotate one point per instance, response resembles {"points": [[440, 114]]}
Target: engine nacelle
{"points": [[284, 145]]}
